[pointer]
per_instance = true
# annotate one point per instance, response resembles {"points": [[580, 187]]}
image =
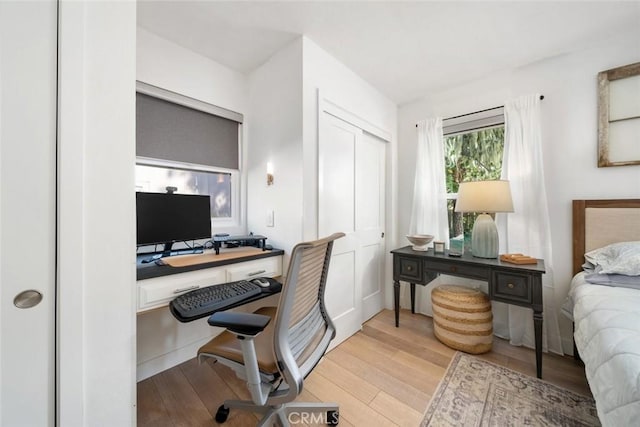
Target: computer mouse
{"points": [[263, 283]]}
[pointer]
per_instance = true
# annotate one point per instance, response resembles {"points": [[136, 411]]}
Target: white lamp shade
{"points": [[484, 196]]}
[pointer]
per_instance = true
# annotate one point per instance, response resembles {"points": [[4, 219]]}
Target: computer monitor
{"points": [[163, 218]]}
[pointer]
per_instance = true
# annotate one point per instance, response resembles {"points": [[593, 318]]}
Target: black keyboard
{"points": [[198, 303]]}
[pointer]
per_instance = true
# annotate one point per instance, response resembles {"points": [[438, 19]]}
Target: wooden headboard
{"points": [[597, 223]]}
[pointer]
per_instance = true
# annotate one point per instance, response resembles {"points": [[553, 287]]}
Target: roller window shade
{"points": [[169, 131], [472, 122]]}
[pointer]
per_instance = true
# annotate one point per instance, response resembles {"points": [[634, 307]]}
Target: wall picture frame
{"points": [[619, 116]]}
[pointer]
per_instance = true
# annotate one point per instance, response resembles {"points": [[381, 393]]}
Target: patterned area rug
{"points": [[474, 392]]}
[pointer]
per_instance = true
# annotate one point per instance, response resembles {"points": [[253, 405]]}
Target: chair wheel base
{"points": [[222, 414], [333, 418]]}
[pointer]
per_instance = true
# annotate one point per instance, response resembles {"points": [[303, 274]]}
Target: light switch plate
{"points": [[270, 221]]}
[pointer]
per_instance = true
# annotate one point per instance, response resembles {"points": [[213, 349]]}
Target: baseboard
{"points": [[567, 345], [166, 361]]}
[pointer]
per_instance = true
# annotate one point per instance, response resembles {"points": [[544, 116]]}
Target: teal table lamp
{"points": [[484, 197]]}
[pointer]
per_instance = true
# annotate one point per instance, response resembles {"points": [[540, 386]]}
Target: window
{"points": [[473, 148], [193, 146], [155, 176]]}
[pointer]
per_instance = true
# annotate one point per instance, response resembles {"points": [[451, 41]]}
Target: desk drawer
{"points": [[266, 267], [512, 288], [157, 292], [457, 269], [410, 269]]}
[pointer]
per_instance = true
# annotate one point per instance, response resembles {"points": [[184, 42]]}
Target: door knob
{"points": [[27, 299]]}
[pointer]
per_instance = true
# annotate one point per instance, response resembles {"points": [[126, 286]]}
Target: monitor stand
{"points": [[167, 252]]}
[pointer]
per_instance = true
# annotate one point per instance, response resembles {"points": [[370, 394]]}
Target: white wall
{"points": [[275, 135], [165, 64], [569, 127], [162, 341], [96, 276]]}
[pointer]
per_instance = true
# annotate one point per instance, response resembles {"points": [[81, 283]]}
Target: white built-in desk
{"points": [[162, 341], [158, 284]]}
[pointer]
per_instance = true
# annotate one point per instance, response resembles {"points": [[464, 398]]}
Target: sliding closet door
{"points": [[352, 200], [28, 37], [370, 220]]}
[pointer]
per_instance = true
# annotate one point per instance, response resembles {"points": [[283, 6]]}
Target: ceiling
{"points": [[404, 49]]}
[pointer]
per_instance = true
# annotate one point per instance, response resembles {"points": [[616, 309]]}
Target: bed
{"points": [[607, 316]]}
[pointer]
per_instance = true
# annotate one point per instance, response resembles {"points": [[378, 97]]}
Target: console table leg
{"points": [[537, 326], [413, 298], [396, 300]]}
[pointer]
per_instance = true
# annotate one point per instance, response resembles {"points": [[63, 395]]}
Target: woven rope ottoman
{"points": [[462, 318]]}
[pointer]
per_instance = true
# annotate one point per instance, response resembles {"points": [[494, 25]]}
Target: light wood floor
{"points": [[381, 376]]}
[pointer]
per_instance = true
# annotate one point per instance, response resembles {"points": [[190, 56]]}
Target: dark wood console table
{"points": [[508, 283]]}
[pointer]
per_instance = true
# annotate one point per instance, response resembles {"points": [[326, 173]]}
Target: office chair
{"points": [[275, 348]]}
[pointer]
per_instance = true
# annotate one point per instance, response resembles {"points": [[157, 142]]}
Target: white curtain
{"points": [[527, 229], [429, 210]]}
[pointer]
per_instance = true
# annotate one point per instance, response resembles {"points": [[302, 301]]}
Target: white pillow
{"points": [[617, 258]]}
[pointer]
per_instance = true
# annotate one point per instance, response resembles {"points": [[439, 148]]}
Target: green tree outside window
{"points": [[472, 156]]}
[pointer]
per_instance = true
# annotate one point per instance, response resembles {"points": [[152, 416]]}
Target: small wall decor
{"points": [[619, 116]]}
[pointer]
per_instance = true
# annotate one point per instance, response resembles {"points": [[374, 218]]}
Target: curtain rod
{"points": [[480, 111]]}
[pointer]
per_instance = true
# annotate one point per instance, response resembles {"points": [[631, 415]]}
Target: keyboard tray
{"points": [[274, 288]]}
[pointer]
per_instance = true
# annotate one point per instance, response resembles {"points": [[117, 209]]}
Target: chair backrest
{"points": [[303, 328]]}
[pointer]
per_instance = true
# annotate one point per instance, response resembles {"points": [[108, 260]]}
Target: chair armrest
{"points": [[240, 323]]}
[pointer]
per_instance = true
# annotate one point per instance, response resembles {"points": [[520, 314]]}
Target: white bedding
{"points": [[607, 335]]}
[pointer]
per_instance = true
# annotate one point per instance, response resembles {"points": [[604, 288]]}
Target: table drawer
{"points": [[458, 269], [410, 269], [512, 287]]}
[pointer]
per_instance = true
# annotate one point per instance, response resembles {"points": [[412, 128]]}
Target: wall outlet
{"points": [[270, 221]]}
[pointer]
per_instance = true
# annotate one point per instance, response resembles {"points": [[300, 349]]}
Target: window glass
{"points": [[471, 156], [156, 179]]}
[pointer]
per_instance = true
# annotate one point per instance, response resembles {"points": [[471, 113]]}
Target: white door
{"points": [[351, 200], [370, 219], [28, 38]]}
